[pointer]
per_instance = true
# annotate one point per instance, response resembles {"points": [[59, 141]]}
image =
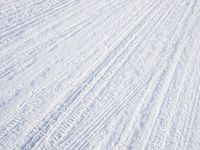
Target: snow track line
{"points": [[125, 77], [9, 3], [63, 62], [31, 47], [179, 99], [12, 69], [30, 59], [147, 111], [129, 122], [162, 108], [98, 121], [139, 144], [53, 43], [58, 21], [108, 78], [166, 104], [16, 34], [176, 133], [157, 144], [91, 130], [192, 140], [186, 19], [20, 58], [8, 70], [30, 21], [189, 134], [59, 7]]}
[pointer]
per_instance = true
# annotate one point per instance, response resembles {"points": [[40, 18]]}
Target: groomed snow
{"points": [[100, 74]]}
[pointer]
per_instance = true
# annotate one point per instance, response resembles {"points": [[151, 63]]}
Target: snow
{"points": [[100, 74]]}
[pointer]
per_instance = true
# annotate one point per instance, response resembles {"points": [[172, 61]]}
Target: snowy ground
{"points": [[100, 74]]}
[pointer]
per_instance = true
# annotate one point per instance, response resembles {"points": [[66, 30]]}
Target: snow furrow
{"points": [[101, 74]]}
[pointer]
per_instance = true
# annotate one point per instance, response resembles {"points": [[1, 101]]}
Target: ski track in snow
{"points": [[100, 75]]}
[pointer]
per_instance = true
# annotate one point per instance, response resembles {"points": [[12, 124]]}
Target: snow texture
{"points": [[100, 74]]}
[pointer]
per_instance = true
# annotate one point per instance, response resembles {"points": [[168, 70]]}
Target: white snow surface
{"points": [[100, 75]]}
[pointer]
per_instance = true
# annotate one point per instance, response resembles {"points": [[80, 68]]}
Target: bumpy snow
{"points": [[100, 74]]}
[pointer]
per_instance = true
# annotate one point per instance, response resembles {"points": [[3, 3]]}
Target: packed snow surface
{"points": [[100, 74]]}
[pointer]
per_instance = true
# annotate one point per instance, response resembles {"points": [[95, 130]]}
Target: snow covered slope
{"points": [[100, 74]]}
